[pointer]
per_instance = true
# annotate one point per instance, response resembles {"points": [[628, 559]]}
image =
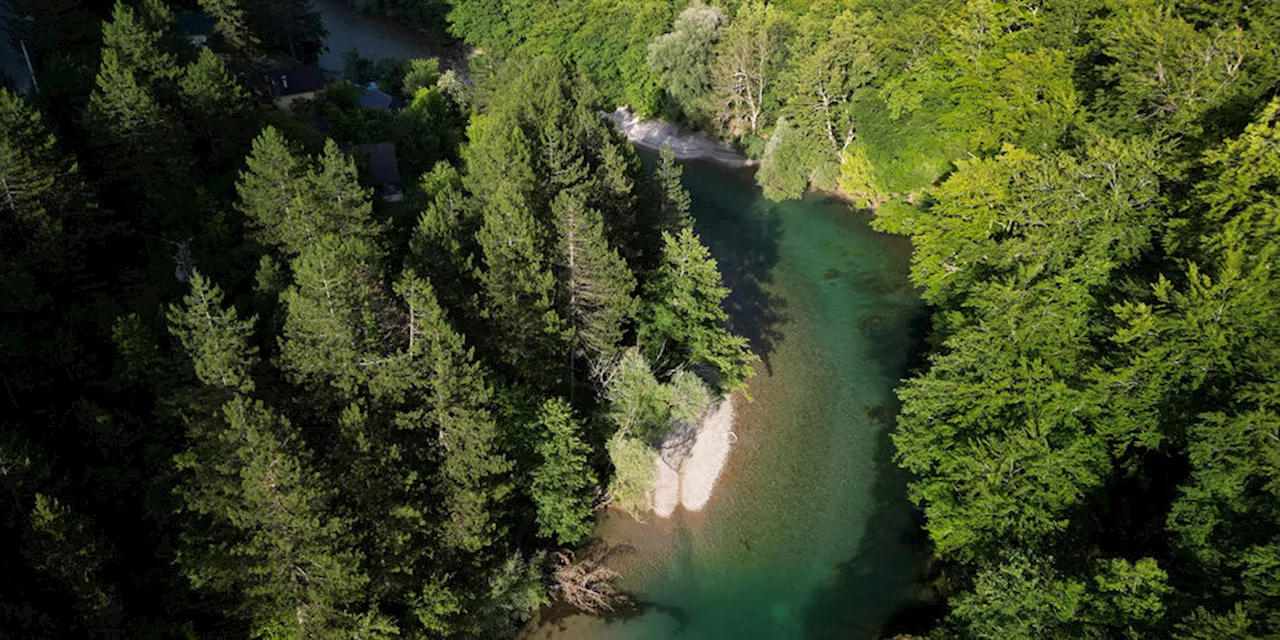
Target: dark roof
{"points": [[383, 168], [376, 98], [287, 82], [195, 23]]}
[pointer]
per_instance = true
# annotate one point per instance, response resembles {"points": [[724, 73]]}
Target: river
{"points": [[375, 38], [809, 533]]}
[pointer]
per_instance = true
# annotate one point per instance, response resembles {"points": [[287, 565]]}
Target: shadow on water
{"points": [[746, 250], [876, 594]]}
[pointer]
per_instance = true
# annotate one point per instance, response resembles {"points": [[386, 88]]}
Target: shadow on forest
{"points": [[743, 231]]}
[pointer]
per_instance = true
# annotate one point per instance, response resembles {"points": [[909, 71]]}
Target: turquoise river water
{"points": [[809, 533]]}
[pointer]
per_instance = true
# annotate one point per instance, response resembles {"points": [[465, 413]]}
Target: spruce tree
{"points": [[231, 25], [675, 200], [291, 202], [40, 187], [263, 531], [472, 472], [139, 46], [330, 332], [141, 150], [519, 289], [683, 318], [595, 284], [270, 187], [213, 102], [214, 338]]}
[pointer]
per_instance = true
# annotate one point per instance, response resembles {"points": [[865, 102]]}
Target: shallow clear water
{"points": [[809, 533]]}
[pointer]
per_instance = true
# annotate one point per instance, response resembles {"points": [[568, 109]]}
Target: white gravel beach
{"points": [[691, 485], [685, 145]]}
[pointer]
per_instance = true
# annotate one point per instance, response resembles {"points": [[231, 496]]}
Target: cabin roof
{"points": [[288, 82], [383, 167]]}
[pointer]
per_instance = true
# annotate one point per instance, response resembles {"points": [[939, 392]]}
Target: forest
{"points": [[246, 396]]}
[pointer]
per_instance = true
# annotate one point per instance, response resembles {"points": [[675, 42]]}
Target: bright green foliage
{"points": [[646, 409], [421, 74], [289, 564], [64, 546], [1166, 74], [331, 333], [748, 61], [1027, 598], [634, 472], [682, 321], [562, 484], [595, 285], [792, 161], [683, 58], [637, 401], [1204, 625], [214, 338], [292, 202], [1021, 598], [230, 24], [138, 46]]}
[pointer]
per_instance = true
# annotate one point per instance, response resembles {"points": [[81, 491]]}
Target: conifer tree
{"points": [[675, 199], [472, 471], [292, 202], [271, 541], [63, 545], [562, 482], [139, 46], [213, 101], [330, 332], [269, 188], [141, 149], [595, 284], [443, 244], [40, 187], [214, 338], [519, 290], [231, 24], [683, 318]]}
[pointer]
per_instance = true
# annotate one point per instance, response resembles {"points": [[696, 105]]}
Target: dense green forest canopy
{"points": [[1091, 189], [246, 397]]}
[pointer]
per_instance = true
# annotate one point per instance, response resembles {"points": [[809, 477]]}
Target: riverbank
{"points": [[685, 145], [687, 475]]}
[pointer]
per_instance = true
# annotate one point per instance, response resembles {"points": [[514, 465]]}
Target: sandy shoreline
{"points": [[685, 145], [690, 482]]}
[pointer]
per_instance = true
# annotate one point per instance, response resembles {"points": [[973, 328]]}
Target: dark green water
{"points": [[809, 533]]}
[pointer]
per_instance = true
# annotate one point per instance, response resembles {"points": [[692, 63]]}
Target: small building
{"points": [[288, 85], [196, 26], [384, 170], [375, 98]]}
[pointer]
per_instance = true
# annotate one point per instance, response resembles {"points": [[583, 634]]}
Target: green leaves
{"points": [[562, 484]]}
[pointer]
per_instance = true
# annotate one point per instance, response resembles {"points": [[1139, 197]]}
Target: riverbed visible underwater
{"points": [[809, 533]]}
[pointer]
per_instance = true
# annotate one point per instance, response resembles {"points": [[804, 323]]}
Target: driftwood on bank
{"points": [[581, 579]]}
